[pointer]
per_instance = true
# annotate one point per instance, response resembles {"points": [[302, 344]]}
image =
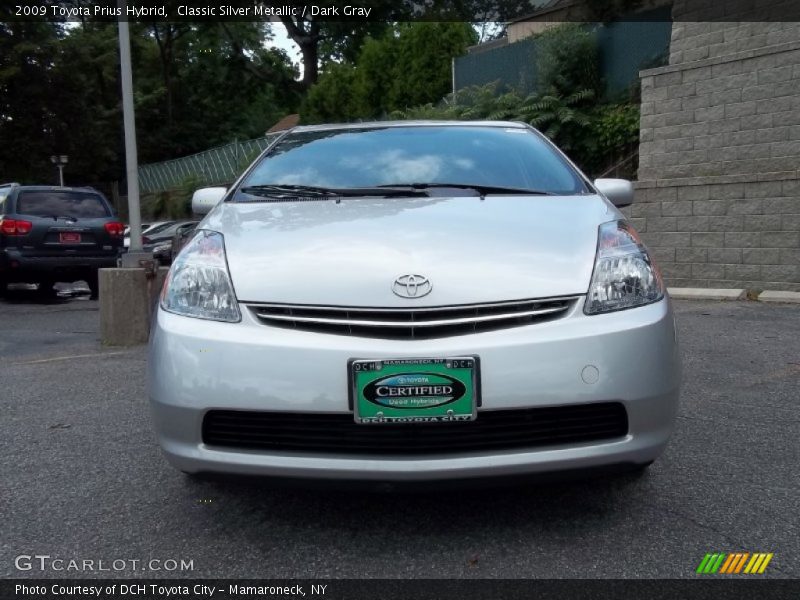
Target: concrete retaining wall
{"points": [[718, 199]]}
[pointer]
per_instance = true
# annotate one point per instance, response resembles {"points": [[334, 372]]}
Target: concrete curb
{"points": [[706, 294], [787, 297], [727, 294]]}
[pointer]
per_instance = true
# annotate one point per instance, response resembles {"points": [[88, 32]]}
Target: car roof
{"points": [[421, 123], [54, 188]]}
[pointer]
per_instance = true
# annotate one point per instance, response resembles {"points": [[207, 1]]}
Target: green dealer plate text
{"points": [[414, 390]]}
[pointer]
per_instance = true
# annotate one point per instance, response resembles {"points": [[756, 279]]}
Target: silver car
{"points": [[413, 301]]}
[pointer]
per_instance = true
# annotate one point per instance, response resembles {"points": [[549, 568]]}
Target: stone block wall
{"points": [[718, 197]]}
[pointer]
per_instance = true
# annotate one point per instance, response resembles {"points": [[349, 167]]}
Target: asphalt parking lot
{"points": [[82, 477]]}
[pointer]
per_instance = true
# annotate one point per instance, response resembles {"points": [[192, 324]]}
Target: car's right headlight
{"points": [[199, 284], [624, 274]]}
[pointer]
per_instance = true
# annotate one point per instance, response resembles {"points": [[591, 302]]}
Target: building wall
{"points": [[718, 197], [519, 30]]}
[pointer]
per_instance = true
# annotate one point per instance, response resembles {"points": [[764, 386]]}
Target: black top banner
{"points": [[396, 10], [398, 589]]}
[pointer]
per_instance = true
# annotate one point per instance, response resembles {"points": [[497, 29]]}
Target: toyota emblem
{"points": [[412, 286]]}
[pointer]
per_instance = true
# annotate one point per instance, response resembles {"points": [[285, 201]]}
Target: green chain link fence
{"points": [[220, 165], [625, 48]]}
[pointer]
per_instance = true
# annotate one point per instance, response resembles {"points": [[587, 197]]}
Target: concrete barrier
{"points": [[128, 299]]}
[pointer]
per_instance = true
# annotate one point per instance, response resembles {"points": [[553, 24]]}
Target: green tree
{"points": [[58, 95], [344, 41], [374, 78], [27, 111], [408, 66], [333, 98], [196, 85], [224, 80], [88, 106], [321, 42], [423, 71]]}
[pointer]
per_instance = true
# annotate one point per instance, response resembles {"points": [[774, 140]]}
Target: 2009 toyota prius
{"points": [[413, 301]]}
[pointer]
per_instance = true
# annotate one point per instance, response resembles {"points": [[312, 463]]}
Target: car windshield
{"points": [[491, 156], [57, 203]]}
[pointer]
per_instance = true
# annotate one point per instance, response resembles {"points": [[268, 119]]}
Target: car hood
{"points": [[470, 249]]}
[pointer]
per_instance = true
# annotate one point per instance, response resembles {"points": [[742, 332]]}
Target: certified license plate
{"points": [[414, 390], [69, 238]]}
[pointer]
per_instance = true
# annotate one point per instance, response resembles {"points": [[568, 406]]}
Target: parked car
{"points": [[164, 251], [413, 301], [146, 228], [50, 234], [161, 234]]}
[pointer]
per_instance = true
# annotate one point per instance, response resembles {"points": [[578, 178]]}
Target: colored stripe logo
{"points": [[734, 563]]}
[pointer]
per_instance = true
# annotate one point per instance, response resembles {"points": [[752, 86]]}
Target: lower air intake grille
{"points": [[411, 324], [492, 430]]}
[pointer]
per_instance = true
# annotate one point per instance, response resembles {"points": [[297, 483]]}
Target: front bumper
{"points": [[196, 366]]}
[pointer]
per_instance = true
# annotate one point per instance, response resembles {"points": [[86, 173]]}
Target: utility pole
{"points": [[127, 294], [134, 254]]}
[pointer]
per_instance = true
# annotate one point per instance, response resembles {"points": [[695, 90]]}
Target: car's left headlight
{"points": [[624, 274], [199, 284]]}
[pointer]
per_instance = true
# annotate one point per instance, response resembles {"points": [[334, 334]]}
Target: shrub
{"points": [[563, 119], [615, 132], [567, 61]]}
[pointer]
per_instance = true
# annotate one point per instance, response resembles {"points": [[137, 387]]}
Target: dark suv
{"points": [[50, 234]]}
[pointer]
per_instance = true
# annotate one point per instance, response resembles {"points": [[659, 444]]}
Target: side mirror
{"points": [[618, 191], [204, 199]]}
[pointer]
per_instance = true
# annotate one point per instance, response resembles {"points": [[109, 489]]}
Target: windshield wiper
{"points": [[290, 191], [482, 190], [281, 191], [295, 191]]}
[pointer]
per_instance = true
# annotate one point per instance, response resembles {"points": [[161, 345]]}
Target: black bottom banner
{"points": [[397, 589]]}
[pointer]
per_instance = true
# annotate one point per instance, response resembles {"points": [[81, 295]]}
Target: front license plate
{"points": [[69, 238], [414, 390]]}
